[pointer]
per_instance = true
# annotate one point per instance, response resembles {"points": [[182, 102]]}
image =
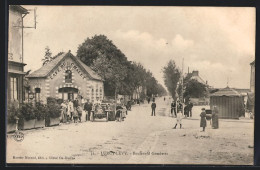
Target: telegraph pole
{"points": [[22, 27], [182, 86]]}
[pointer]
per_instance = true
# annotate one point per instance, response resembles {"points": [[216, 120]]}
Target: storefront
{"points": [[66, 77]]}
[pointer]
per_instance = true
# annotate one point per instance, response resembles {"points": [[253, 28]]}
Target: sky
{"points": [[219, 42]]}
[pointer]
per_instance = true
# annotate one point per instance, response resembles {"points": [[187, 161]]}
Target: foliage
{"points": [[171, 77], [53, 108], [12, 113], [120, 75], [193, 88], [40, 111], [26, 111], [47, 57]]}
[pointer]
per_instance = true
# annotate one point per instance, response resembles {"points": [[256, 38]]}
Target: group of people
{"points": [[203, 119], [213, 117], [177, 106], [72, 110]]}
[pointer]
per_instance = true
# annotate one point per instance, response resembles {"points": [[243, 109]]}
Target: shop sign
{"points": [[68, 66]]}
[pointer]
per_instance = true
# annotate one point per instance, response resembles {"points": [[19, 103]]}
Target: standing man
{"points": [[173, 108], [179, 106], [88, 108], [153, 108], [148, 100], [190, 105]]}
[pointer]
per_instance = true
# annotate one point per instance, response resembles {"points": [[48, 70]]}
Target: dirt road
{"points": [[140, 139]]}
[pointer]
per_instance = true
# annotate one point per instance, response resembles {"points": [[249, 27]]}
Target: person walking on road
{"points": [[215, 118], [153, 106], [88, 108], [190, 106], [179, 106], [179, 118], [148, 100], [203, 121], [173, 108]]}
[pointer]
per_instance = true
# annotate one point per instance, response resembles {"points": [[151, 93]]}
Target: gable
{"points": [[58, 64]]}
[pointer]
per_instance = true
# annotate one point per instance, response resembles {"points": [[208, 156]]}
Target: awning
{"points": [[16, 71]]}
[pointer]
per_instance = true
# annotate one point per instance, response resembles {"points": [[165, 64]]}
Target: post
{"points": [[182, 87]]}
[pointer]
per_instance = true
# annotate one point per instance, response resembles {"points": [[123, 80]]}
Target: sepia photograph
{"points": [[130, 85]]}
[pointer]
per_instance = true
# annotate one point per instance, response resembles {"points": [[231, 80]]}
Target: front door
{"points": [[69, 93]]}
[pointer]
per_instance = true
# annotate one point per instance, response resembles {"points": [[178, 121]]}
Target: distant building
{"points": [[65, 78], [230, 103], [195, 76], [15, 89], [252, 77]]}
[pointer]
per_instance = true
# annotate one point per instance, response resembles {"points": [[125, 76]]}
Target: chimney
{"points": [[195, 73]]}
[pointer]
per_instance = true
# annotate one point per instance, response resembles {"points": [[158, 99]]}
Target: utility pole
{"points": [[22, 27], [182, 86]]}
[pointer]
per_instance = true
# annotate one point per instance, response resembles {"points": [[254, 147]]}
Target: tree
{"points": [[98, 46], [171, 77], [120, 75], [192, 88], [195, 89], [107, 60], [111, 71], [47, 57]]}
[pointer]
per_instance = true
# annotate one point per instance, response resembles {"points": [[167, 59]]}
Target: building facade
{"points": [[65, 78], [15, 89]]}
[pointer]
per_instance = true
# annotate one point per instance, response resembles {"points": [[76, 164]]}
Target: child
{"points": [[75, 116], [179, 118]]}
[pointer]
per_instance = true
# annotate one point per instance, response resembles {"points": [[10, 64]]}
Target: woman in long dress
{"points": [[215, 118], [203, 121]]}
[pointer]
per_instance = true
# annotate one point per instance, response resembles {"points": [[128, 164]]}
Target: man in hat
{"points": [[203, 121], [88, 108], [190, 106], [153, 106], [173, 108]]}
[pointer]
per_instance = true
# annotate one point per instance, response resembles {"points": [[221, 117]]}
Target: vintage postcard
{"points": [[131, 85]]}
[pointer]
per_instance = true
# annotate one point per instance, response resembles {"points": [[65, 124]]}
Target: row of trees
{"points": [[120, 75], [173, 82]]}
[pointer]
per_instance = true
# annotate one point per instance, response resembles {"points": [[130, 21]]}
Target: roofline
{"points": [[65, 54], [252, 62], [15, 62], [19, 8]]}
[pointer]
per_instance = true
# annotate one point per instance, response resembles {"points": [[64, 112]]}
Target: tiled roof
{"points": [[45, 70], [226, 92], [19, 8], [253, 63]]}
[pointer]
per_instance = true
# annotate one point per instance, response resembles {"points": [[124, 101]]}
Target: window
{"points": [[68, 76], [37, 94], [14, 88]]}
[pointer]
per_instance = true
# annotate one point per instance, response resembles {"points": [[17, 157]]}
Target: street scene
{"points": [[93, 88], [146, 140]]}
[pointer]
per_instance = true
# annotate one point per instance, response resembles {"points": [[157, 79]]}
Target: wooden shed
{"points": [[229, 102]]}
